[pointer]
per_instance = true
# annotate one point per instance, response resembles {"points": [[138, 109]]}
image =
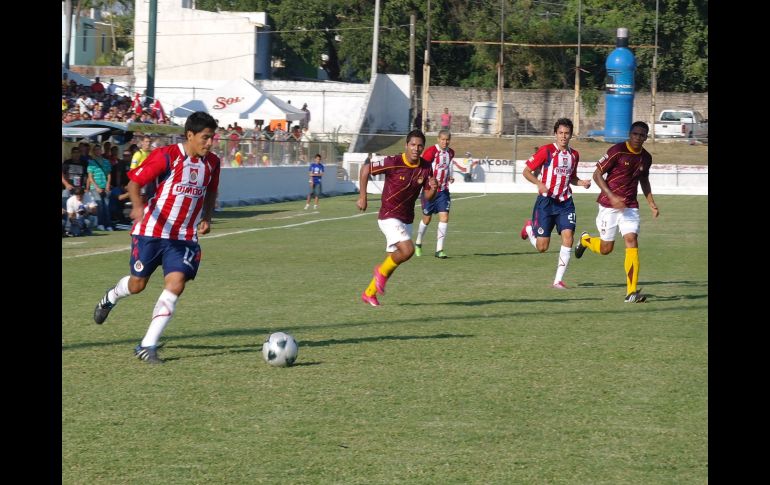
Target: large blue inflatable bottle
{"points": [[619, 92]]}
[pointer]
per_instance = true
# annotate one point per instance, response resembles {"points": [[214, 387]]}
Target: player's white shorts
{"points": [[609, 220], [395, 231]]}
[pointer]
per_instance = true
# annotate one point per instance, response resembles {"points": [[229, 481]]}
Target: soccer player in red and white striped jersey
{"points": [[557, 163], [165, 232], [440, 157]]}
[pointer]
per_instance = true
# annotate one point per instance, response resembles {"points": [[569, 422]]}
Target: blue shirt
{"points": [[316, 170]]}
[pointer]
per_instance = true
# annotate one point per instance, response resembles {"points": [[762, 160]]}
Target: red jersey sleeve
{"points": [[153, 166], [539, 158]]}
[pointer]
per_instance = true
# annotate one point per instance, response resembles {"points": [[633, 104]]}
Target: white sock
{"points": [[564, 254], [119, 291], [532, 238], [440, 235], [420, 232], [161, 315]]}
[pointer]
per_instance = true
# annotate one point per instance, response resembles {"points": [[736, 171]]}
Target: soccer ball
{"points": [[280, 349]]}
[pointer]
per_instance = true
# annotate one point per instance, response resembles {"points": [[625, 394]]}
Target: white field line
{"points": [[255, 229]]}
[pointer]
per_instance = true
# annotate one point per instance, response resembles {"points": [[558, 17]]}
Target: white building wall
{"points": [[195, 44]]}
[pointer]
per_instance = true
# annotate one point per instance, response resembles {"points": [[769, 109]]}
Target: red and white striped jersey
{"points": [[441, 164], [558, 167], [177, 207]]}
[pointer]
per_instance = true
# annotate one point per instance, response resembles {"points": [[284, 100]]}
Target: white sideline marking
{"points": [[255, 229]]}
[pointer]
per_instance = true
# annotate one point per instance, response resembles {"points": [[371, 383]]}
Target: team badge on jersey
{"points": [[193, 175]]}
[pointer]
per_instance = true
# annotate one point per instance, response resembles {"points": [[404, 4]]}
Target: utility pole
{"points": [[500, 75], [425, 78], [67, 32], [412, 90], [375, 40], [654, 84], [576, 110], [153, 28]]}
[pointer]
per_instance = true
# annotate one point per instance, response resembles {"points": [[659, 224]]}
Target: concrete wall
{"points": [[500, 176], [253, 185], [539, 108]]}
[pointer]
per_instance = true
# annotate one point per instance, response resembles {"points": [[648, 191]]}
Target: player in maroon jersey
{"points": [[626, 166], [405, 175], [165, 232]]}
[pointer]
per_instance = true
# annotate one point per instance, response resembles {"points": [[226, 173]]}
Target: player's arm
{"points": [[530, 176], [531, 166], [137, 204], [430, 190], [209, 202], [644, 183], [615, 201], [363, 182]]}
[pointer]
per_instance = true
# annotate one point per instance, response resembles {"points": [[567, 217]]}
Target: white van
{"points": [[483, 118]]}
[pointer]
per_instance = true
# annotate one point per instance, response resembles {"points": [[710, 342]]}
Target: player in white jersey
{"points": [[440, 157], [165, 232], [557, 164]]}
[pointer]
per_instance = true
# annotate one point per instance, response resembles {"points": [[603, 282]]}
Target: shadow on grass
{"points": [[237, 214], [235, 349], [502, 300], [524, 316], [492, 255], [643, 284]]}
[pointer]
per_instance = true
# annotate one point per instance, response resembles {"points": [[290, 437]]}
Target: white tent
{"points": [[240, 100]]}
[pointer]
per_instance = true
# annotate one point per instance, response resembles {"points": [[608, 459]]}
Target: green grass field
{"points": [[473, 370]]}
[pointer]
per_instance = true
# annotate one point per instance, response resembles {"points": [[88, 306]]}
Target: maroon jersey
{"points": [[177, 207], [623, 168], [558, 168], [403, 182]]}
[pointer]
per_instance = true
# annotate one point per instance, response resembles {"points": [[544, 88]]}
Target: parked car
{"points": [[681, 123], [483, 118]]}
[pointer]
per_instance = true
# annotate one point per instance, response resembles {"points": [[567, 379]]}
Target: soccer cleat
{"points": [[559, 285], [307, 206], [580, 249], [441, 254], [379, 280], [524, 234], [418, 250], [103, 308], [315, 207], [636, 297], [148, 354], [372, 300]]}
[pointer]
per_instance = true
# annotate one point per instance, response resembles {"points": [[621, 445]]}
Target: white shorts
{"points": [[609, 220], [395, 231]]}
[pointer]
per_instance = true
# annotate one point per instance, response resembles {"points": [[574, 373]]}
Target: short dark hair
{"points": [[639, 124], [563, 122], [199, 121], [415, 134]]}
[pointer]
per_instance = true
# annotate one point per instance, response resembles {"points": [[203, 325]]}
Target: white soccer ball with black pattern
{"points": [[280, 349]]}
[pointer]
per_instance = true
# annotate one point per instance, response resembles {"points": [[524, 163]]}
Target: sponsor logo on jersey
{"points": [[187, 190]]}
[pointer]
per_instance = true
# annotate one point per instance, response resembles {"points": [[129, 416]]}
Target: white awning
{"points": [[78, 132]]}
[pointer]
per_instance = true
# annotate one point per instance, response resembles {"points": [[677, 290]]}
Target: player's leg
{"points": [[181, 260], [629, 228], [399, 248], [317, 193], [442, 206], [607, 225], [427, 211], [565, 225], [145, 258], [309, 195]]}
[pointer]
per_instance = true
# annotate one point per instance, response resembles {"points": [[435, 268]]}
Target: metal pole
{"points": [[412, 90], [500, 76], [67, 32], [654, 84], [425, 78], [153, 27], [576, 109], [375, 40], [515, 145]]}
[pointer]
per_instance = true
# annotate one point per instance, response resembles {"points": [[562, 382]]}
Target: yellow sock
{"points": [[371, 289], [632, 269], [592, 243], [388, 266]]}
